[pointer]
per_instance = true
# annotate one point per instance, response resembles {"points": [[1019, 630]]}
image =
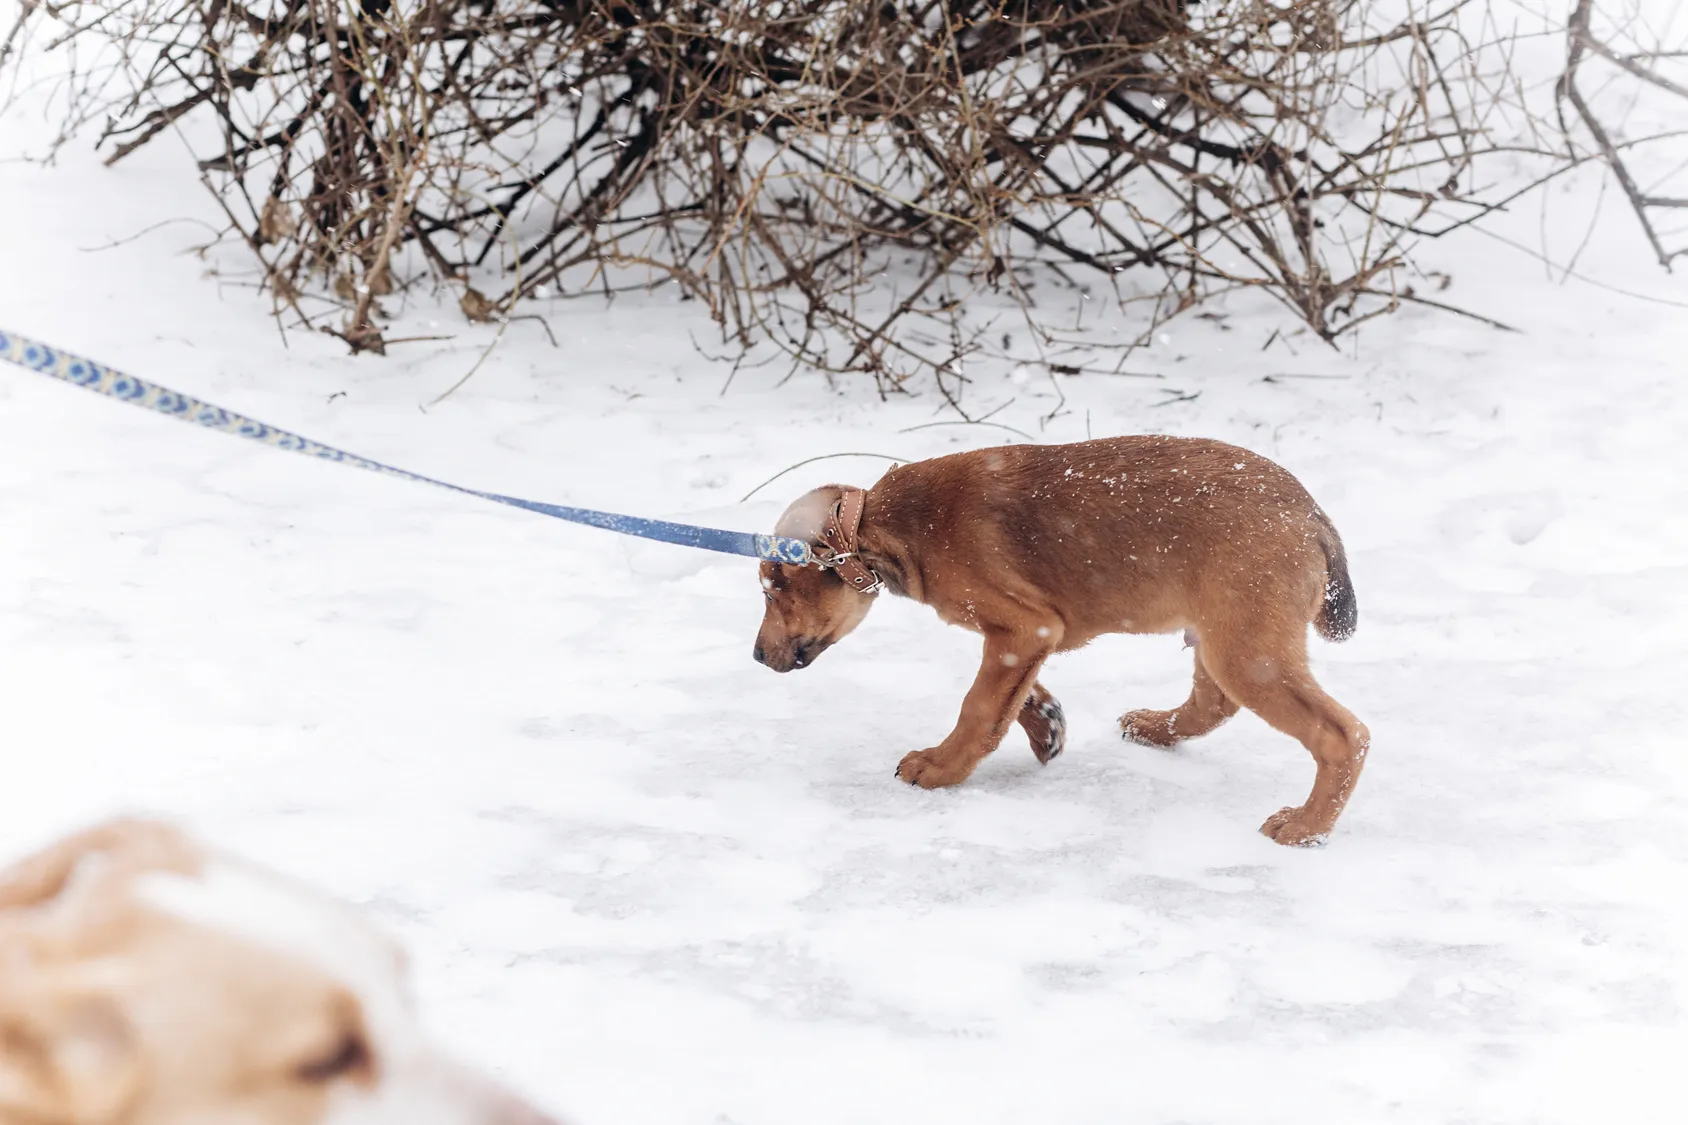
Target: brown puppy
{"points": [[1043, 548]]}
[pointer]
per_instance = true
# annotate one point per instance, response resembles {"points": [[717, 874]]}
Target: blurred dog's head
{"points": [[146, 982], [808, 609]]}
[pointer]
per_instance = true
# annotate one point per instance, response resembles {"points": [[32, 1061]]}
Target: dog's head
{"points": [[146, 982], [808, 609]]}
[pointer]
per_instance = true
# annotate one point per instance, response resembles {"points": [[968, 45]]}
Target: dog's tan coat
{"points": [[115, 1011]]}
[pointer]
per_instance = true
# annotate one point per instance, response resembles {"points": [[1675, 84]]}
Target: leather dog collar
{"points": [[840, 535]]}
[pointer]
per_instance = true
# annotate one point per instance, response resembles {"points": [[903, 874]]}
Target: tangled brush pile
{"points": [[832, 177]]}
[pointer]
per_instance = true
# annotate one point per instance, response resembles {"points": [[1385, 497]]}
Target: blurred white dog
{"points": [[145, 981]]}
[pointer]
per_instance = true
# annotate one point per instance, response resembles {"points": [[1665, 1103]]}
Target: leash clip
{"points": [[839, 558], [834, 561]]}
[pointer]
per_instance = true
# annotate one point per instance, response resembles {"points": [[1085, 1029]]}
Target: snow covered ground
{"points": [[645, 879]]}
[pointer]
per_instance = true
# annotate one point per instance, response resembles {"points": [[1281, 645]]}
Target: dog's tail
{"points": [[1340, 614]]}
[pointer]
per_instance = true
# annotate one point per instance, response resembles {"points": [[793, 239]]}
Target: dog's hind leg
{"points": [[996, 699], [1207, 707], [1044, 723], [1273, 681]]}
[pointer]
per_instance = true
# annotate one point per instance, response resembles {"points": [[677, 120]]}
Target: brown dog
{"points": [[1043, 548]]}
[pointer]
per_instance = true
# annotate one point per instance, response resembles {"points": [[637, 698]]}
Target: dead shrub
{"points": [[836, 178]]}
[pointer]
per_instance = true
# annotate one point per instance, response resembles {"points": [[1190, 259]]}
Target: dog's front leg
{"points": [[993, 702]]}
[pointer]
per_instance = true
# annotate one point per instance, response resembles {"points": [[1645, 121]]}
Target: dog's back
{"points": [[1184, 522]]}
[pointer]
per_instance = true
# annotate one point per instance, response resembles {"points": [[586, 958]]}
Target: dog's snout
{"points": [[788, 655], [439, 1089], [520, 1113]]}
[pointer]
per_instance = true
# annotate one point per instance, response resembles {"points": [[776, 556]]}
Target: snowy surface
{"points": [[650, 882]]}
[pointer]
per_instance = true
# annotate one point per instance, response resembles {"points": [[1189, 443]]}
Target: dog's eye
{"points": [[768, 596], [350, 1057]]}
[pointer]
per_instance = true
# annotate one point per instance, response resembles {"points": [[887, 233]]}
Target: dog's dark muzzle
{"points": [[799, 655]]}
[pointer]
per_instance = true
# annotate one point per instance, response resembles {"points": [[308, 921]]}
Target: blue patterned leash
{"points": [[89, 375]]}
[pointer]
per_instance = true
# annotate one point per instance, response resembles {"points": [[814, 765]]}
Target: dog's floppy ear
{"points": [[128, 846], [806, 515], [66, 1059]]}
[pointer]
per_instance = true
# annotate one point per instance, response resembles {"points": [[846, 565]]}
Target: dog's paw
{"points": [[1292, 828], [1046, 725], [922, 768], [1151, 728]]}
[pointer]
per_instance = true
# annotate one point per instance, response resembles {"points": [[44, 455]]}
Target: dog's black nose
{"points": [[761, 658]]}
